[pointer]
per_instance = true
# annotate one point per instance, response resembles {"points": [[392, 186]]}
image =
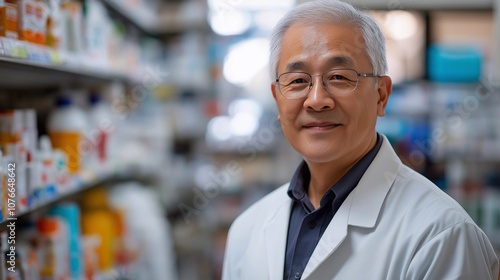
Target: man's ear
{"points": [[273, 90], [384, 90]]}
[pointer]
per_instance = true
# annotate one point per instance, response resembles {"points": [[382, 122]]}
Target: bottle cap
{"points": [[63, 101], [47, 225]]}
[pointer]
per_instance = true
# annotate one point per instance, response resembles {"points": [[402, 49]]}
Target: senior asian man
{"points": [[352, 210]]}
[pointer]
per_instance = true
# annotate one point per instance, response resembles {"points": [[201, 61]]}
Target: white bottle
{"points": [[47, 186], [66, 126], [101, 130]]}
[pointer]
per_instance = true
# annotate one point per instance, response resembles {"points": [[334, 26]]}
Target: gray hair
{"points": [[332, 11]]}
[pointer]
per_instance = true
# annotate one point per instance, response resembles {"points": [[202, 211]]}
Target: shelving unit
{"points": [[27, 66], [119, 60], [85, 185], [21, 73]]}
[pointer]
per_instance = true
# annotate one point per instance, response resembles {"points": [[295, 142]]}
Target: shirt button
{"points": [[297, 275], [311, 224]]}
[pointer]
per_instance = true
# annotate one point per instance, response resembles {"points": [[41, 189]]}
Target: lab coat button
{"points": [[311, 225]]}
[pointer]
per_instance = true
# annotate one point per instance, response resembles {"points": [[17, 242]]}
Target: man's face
{"points": [[320, 126]]}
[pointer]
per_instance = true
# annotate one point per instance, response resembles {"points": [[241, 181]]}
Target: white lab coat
{"points": [[394, 225]]}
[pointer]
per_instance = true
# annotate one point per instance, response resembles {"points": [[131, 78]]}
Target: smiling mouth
{"points": [[321, 126]]}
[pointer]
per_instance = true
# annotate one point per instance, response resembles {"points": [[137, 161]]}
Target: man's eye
{"points": [[299, 81], [338, 77]]}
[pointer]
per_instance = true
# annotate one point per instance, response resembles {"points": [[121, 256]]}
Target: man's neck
{"points": [[325, 175]]}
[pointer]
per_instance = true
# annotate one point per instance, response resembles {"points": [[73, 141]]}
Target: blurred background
{"points": [[133, 132]]}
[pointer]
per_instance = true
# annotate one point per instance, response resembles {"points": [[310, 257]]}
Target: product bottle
{"points": [[27, 247], [101, 129], [47, 186], [66, 125], [53, 28], [98, 219], [70, 213], [97, 33], [11, 129], [53, 249]]}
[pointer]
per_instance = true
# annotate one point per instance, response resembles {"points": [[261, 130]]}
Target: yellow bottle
{"points": [[99, 220], [66, 125]]}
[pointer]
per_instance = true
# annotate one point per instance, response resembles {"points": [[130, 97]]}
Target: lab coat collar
{"points": [[369, 195], [361, 208]]}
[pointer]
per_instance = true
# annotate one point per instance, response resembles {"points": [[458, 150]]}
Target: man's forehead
{"points": [[332, 35]]}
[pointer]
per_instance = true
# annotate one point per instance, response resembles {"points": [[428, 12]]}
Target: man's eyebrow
{"points": [[340, 61], [295, 65]]}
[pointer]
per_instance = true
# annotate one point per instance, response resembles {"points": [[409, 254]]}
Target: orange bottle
{"points": [[99, 220], [54, 248]]}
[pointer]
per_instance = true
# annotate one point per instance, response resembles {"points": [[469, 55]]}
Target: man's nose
{"points": [[318, 98]]}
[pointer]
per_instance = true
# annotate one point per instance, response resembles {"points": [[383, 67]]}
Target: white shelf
{"points": [[25, 65], [82, 184]]}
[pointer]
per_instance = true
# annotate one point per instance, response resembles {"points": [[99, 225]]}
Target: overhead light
{"points": [[245, 106], [401, 24], [227, 20], [245, 60], [219, 128]]}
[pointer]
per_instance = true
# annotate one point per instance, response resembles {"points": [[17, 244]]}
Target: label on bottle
{"points": [[69, 143]]}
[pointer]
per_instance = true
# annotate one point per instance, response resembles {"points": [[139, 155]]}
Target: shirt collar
{"points": [[297, 189]]}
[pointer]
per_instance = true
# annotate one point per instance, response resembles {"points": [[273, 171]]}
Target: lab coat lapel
{"points": [[361, 208], [275, 238]]}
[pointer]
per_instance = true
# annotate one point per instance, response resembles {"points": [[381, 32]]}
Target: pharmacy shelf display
{"points": [[82, 186], [27, 65]]}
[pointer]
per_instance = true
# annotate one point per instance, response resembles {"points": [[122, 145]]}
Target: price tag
{"points": [[2, 51]]}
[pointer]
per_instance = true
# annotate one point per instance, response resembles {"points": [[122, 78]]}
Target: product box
{"points": [[33, 21], [454, 63], [8, 20]]}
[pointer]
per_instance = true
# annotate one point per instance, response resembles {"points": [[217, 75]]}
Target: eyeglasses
{"points": [[338, 82]]}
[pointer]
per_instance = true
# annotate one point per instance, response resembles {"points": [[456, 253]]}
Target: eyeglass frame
{"points": [[323, 81]]}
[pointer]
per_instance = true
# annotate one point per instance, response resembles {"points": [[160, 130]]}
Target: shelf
{"points": [[24, 65], [19, 73], [420, 4], [71, 195], [141, 17], [168, 20]]}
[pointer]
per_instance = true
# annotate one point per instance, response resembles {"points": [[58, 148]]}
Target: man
{"points": [[352, 210]]}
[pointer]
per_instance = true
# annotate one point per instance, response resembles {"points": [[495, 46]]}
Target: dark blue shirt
{"points": [[307, 225]]}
